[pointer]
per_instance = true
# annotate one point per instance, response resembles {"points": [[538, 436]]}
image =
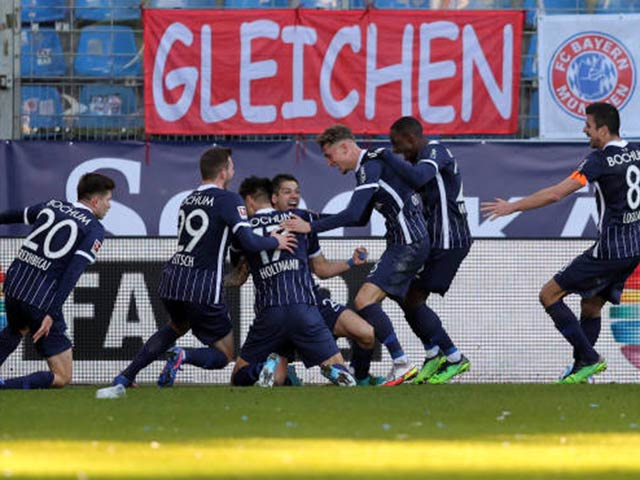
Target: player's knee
{"points": [[362, 300], [366, 338], [61, 379]]}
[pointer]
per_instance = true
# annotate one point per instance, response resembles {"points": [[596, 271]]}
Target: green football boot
{"points": [[582, 372], [449, 370], [429, 367]]}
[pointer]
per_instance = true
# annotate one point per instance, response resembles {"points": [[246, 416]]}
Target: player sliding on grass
{"points": [[342, 321], [598, 274], [191, 285], [379, 187], [64, 240], [287, 317]]}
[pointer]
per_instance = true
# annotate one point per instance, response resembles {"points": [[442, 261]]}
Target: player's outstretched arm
{"points": [[541, 198], [416, 175], [324, 268], [296, 224]]}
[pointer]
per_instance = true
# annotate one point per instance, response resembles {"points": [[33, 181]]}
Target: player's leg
{"points": [[588, 277], [308, 334], [61, 367], [157, 344], [262, 358], [591, 317], [211, 325], [362, 340], [9, 340], [443, 360], [55, 347]]}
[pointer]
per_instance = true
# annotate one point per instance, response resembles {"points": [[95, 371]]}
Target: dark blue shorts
{"points": [[590, 277], [398, 266], [440, 269], [209, 323], [279, 329], [329, 309], [21, 315]]}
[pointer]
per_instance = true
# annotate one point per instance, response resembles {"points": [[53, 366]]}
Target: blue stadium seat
{"points": [[552, 7], [182, 4], [107, 51], [530, 62], [105, 10], [400, 4], [41, 53], [322, 4], [256, 3], [532, 123], [618, 6], [38, 11], [108, 106], [40, 108]]}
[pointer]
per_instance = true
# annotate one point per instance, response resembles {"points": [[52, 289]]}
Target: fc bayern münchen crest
{"points": [[591, 67]]}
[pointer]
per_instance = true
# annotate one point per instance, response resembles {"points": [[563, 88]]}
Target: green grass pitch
{"points": [[461, 431]]}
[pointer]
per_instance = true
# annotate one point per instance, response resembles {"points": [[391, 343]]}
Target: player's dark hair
{"points": [[258, 187], [91, 184], [605, 114], [213, 161], [407, 126], [334, 134], [279, 179]]}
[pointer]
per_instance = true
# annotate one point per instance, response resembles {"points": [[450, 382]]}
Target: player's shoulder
{"points": [[373, 154], [304, 214], [434, 150]]}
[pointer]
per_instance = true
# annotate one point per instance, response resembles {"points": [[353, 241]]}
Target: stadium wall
{"points": [[492, 312]]}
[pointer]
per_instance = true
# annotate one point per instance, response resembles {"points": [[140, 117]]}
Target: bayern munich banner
{"points": [[299, 71], [585, 59]]}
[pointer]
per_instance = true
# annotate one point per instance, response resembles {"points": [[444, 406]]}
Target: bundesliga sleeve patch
{"points": [[97, 245], [242, 211]]}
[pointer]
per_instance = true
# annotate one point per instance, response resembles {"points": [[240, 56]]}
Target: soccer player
{"points": [[191, 285], [379, 187], [432, 169], [342, 321], [287, 317], [65, 239], [599, 273]]}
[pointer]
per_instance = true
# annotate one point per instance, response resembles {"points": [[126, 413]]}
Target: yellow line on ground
{"points": [[254, 457]]}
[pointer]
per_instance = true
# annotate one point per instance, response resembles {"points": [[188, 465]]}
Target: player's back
{"points": [[60, 231], [395, 199], [443, 199], [195, 271], [280, 277]]}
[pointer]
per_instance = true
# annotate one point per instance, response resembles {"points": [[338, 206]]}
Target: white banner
{"points": [[585, 59], [491, 312]]}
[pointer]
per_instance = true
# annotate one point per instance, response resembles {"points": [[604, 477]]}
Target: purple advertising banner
{"points": [[152, 179]]}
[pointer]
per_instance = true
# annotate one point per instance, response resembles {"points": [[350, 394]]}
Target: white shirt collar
{"points": [[362, 154], [206, 186], [81, 205], [265, 210], [616, 143]]}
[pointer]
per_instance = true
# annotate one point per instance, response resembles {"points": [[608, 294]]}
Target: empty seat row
{"points": [[98, 106], [103, 51]]}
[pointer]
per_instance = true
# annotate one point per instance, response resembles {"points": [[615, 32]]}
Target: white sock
{"points": [[432, 352], [401, 359], [454, 357]]}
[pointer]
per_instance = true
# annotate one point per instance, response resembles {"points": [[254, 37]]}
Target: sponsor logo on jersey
{"points": [[97, 245], [591, 67]]}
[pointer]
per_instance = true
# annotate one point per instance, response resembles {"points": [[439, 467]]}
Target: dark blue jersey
{"points": [[280, 278], [379, 186], [65, 239], [207, 220], [615, 173]]}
